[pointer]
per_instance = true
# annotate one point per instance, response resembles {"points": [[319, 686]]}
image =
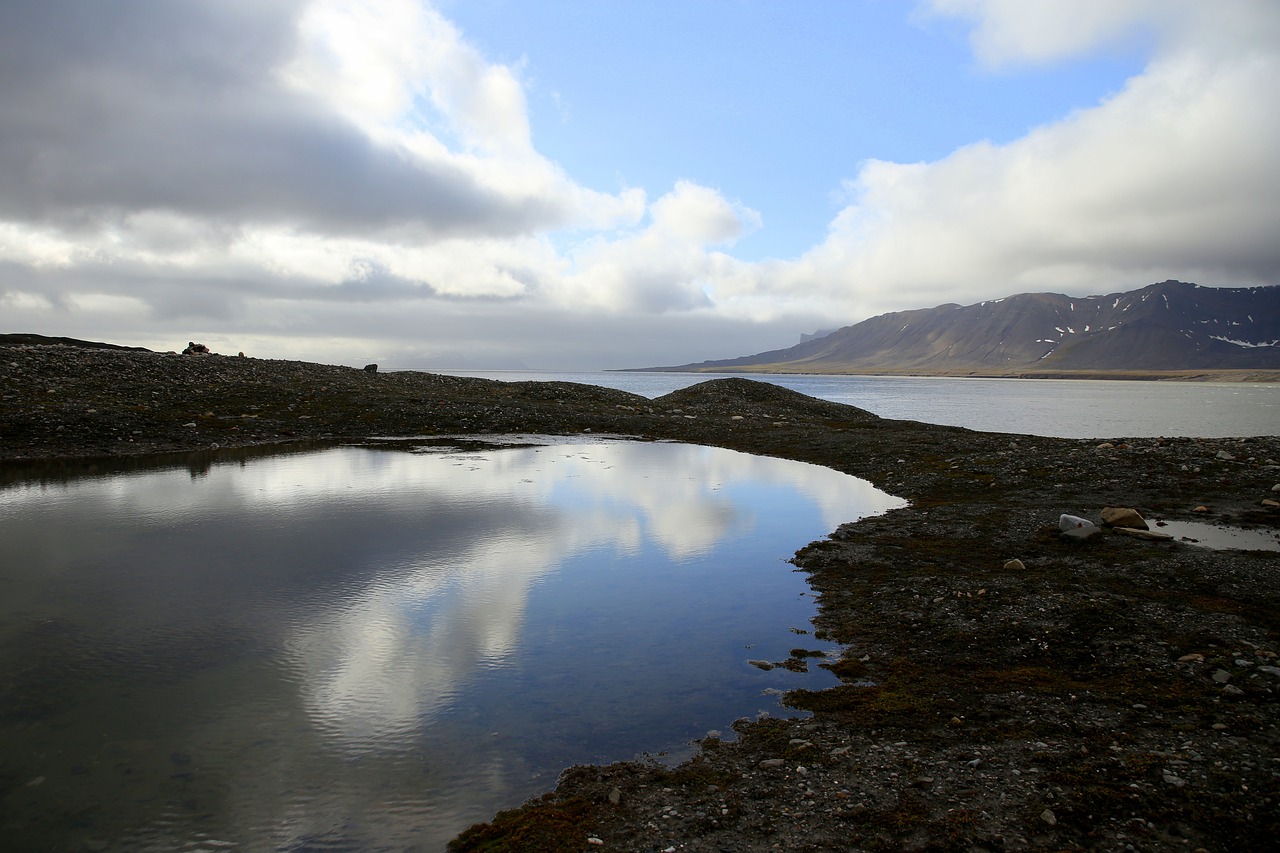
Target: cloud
{"points": [[667, 266], [317, 116], [327, 178], [1010, 32], [1174, 176]]}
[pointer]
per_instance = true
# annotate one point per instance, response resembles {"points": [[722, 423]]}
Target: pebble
{"points": [[768, 763], [1221, 676], [1015, 565], [1049, 817]]}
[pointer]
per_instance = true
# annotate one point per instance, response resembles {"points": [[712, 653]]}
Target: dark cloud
{"points": [[135, 105]]}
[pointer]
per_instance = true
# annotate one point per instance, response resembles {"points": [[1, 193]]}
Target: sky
{"points": [[584, 185]]}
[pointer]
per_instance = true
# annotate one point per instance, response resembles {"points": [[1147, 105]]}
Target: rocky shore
{"points": [[1005, 687]]}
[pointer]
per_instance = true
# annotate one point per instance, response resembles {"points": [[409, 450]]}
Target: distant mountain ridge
{"points": [[1171, 325]]}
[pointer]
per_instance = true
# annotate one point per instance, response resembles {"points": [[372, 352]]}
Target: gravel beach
{"points": [[1004, 686]]}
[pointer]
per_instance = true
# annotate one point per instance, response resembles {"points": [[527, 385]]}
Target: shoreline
{"points": [[1103, 693], [1224, 376]]}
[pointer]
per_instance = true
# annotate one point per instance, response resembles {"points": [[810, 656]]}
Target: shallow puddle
{"points": [[1219, 537], [365, 649]]}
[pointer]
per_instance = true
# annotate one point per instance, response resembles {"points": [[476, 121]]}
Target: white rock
{"points": [[1077, 527]]}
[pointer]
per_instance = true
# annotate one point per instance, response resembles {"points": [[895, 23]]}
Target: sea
{"points": [[1063, 408]]}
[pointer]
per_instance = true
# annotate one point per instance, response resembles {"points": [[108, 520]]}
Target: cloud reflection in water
{"points": [[383, 660]]}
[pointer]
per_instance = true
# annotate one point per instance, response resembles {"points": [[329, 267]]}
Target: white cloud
{"points": [[1014, 31], [298, 174], [1172, 177], [1007, 31], [667, 266]]}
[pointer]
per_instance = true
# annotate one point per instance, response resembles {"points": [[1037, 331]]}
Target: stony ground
{"points": [[1108, 694]]}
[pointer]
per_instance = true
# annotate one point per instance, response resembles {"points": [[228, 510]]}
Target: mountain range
{"points": [[1169, 326]]}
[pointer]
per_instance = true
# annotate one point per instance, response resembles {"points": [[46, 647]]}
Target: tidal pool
{"points": [[372, 648]]}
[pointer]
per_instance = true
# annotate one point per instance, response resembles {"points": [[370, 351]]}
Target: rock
{"points": [[1152, 535], [1224, 456], [1175, 781], [1106, 445], [761, 664], [1194, 657], [1049, 817], [371, 368], [769, 763], [1201, 508], [1015, 565], [1270, 503], [1123, 517], [1270, 670], [1221, 676], [615, 796], [594, 842], [1276, 488], [1074, 527]]}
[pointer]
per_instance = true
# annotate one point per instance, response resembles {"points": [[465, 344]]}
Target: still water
{"points": [[1065, 408], [372, 648]]}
